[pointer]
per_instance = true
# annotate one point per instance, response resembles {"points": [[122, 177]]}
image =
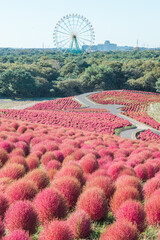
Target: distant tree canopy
{"points": [[49, 73]]}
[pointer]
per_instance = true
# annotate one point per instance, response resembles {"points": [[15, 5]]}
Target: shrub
{"points": [[70, 187], [4, 204], [39, 177], [3, 157], [79, 223], [22, 145], [133, 212], [21, 190], [32, 161], [88, 163], [59, 155], [78, 154], [7, 146], [93, 202], [115, 169], [47, 157], [13, 170], [121, 195], [20, 160], [71, 171], [56, 230], [17, 152], [150, 186], [21, 215], [104, 183], [129, 181], [152, 209], [18, 235], [53, 164], [50, 204], [150, 170], [120, 231], [141, 172]]}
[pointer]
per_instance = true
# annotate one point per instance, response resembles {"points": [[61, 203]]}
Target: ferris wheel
{"points": [[72, 32]]}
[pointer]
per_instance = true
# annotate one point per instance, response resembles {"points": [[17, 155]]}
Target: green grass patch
{"points": [[119, 130], [151, 233]]}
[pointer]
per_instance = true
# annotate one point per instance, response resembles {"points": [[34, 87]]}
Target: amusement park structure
{"points": [[72, 32]]}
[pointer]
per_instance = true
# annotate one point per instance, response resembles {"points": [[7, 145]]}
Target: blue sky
{"points": [[31, 23]]}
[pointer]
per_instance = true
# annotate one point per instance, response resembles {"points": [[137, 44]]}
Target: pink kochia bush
{"points": [[4, 204], [50, 204], [18, 235], [39, 177], [13, 170], [133, 212], [89, 163], [79, 223], [21, 215], [21, 190], [122, 230], [129, 181], [121, 195], [150, 187], [57, 230], [3, 157], [93, 202], [105, 183], [70, 187], [152, 209]]}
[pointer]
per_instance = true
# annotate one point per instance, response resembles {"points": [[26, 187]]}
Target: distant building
{"points": [[107, 46]]}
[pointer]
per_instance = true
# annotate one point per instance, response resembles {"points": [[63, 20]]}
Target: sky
{"points": [[30, 24]]}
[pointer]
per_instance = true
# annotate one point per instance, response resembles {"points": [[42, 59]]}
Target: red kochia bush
{"points": [[13, 170], [32, 161], [50, 204], [150, 186], [21, 215], [57, 230], [88, 163], [47, 157], [121, 195], [71, 171], [93, 202], [2, 229], [104, 183], [129, 181], [17, 152], [133, 212], [70, 187], [152, 209], [20, 160], [79, 223], [115, 169], [122, 230], [7, 146], [141, 172], [18, 235], [53, 164], [39, 177], [4, 183], [3, 157], [21, 190], [4, 204]]}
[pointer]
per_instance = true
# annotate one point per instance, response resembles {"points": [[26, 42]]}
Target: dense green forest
{"points": [[49, 73]]}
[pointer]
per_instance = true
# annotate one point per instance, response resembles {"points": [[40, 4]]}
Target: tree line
{"points": [[50, 73]]}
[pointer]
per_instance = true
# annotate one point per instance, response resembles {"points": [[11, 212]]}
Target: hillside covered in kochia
{"points": [[48, 73]]}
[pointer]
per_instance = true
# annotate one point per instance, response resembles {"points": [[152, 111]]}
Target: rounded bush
{"points": [[57, 230], [152, 209], [150, 187], [13, 170], [93, 202], [104, 183], [47, 157], [59, 155], [21, 190], [70, 187], [89, 163], [129, 181], [18, 235], [7, 146], [50, 204], [4, 204], [20, 160], [17, 152], [4, 183], [71, 171], [78, 154], [23, 145], [32, 161], [133, 212], [3, 157], [39, 177], [53, 164], [115, 169], [21, 215], [79, 223], [150, 170], [120, 231], [141, 172], [121, 195]]}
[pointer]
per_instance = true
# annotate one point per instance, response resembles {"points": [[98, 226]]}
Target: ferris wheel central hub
{"points": [[73, 32]]}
